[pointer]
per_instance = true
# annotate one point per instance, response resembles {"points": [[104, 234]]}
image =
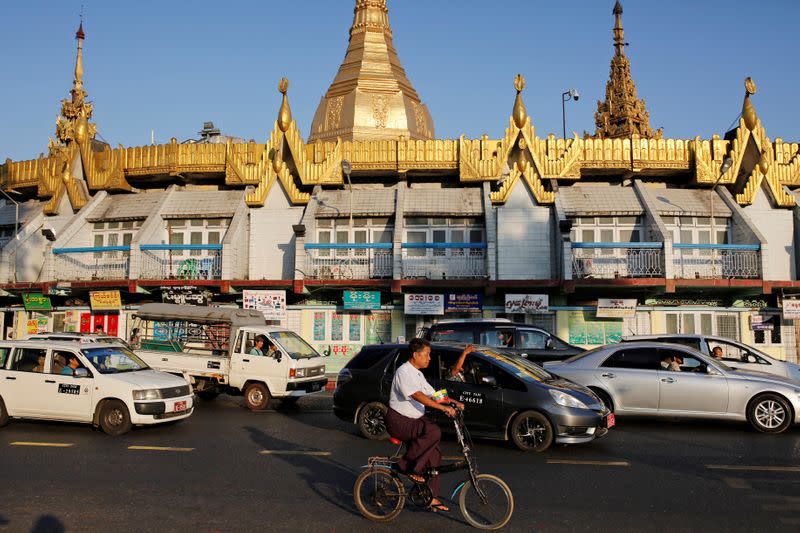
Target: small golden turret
{"points": [[519, 113]]}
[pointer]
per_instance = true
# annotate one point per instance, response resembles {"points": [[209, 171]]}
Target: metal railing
{"points": [[187, 261], [349, 261], [444, 260], [609, 260], [100, 262], [717, 261]]}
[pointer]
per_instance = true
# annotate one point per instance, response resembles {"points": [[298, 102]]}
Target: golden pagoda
{"points": [[622, 114], [371, 97]]}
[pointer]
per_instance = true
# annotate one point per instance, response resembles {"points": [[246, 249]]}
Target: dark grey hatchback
{"points": [[506, 397]]}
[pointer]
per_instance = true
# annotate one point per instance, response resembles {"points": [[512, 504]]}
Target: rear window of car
{"points": [[636, 358], [368, 357], [453, 335]]}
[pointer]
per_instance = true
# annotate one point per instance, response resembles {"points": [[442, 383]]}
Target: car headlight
{"points": [[300, 373], [567, 400], [148, 394]]}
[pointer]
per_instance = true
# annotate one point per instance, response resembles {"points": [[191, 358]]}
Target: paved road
{"points": [[211, 473]]}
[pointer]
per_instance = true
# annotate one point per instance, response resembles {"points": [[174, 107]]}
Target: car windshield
{"points": [[115, 341], [114, 359], [294, 345], [520, 366]]}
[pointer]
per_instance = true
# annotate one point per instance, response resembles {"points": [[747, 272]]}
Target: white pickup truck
{"points": [[212, 347]]}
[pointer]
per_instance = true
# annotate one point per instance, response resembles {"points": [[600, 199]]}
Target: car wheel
{"points": [[3, 414], [114, 418], [770, 413], [372, 421], [531, 431], [604, 397], [257, 396]]}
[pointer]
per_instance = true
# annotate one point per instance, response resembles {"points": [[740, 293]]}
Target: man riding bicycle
{"points": [[406, 419]]}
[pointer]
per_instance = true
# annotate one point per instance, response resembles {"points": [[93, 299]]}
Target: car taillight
{"points": [[292, 372], [343, 377]]}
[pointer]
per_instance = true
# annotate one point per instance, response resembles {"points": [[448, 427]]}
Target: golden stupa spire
{"points": [[622, 114], [371, 97]]}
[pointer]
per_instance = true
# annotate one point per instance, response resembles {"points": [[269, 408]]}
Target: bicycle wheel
{"points": [[379, 495], [495, 511]]}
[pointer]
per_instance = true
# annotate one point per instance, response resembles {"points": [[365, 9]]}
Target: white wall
{"points": [[271, 237], [524, 237], [777, 227]]}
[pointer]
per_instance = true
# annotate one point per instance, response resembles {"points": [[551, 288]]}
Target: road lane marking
{"points": [[160, 449], [788, 507], [737, 483], [745, 468], [43, 444], [595, 463], [295, 452]]}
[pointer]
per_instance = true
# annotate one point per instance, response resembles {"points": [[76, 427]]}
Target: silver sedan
{"points": [[651, 378]]}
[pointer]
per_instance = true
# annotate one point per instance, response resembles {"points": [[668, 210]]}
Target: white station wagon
{"points": [[100, 384]]}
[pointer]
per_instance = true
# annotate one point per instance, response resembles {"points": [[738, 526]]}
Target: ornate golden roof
{"points": [[622, 114], [371, 97]]}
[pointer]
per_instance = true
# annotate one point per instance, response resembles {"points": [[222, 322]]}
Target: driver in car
{"points": [[406, 419]]}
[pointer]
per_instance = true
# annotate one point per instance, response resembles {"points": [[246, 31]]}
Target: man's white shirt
{"points": [[407, 381]]}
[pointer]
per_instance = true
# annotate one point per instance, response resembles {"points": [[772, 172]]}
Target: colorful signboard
{"points": [[186, 295], [271, 303], [527, 303], [467, 302], [105, 300], [791, 309], [424, 304], [616, 308], [364, 300], [36, 301]]}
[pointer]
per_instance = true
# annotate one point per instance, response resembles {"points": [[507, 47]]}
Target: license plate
{"points": [[611, 421], [316, 386], [179, 406]]}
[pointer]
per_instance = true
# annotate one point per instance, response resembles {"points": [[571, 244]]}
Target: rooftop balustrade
{"points": [[349, 261], [184, 261], [92, 263], [444, 260], [716, 261], [610, 260]]}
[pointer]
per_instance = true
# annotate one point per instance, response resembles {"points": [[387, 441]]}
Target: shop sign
{"points": [[751, 304], [37, 325], [424, 304], [36, 301], [271, 303], [527, 303], [364, 300], [791, 309], [761, 323], [616, 308], [105, 300], [678, 302], [468, 302], [186, 295]]}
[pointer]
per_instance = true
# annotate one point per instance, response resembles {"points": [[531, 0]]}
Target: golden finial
{"points": [[619, 31], [748, 111], [78, 82], [764, 162], [285, 114], [520, 114]]}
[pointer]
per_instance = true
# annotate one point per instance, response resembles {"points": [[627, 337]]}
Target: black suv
{"points": [[506, 397], [528, 341]]}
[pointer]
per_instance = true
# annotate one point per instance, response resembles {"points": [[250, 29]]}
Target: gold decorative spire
{"points": [[519, 113], [285, 113], [73, 123], [622, 114], [371, 97], [748, 111]]}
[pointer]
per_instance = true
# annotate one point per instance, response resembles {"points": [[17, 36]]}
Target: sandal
{"points": [[416, 478], [439, 507]]}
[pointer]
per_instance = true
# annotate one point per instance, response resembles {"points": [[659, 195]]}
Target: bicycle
{"points": [[485, 500]]}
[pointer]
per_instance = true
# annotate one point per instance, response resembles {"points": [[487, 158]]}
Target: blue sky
{"points": [[169, 66]]}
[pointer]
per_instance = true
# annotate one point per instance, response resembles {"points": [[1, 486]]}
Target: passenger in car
{"points": [[716, 351], [456, 372], [39, 366], [58, 364], [258, 349], [72, 365]]}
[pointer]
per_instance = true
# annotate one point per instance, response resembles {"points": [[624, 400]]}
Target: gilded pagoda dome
{"points": [[371, 97]]}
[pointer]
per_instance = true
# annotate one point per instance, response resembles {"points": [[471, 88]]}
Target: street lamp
{"points": [[16, 228], [726, 165], [572, 94]]}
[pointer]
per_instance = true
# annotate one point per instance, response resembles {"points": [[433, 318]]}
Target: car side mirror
{"points": [[751, 358], [711, 371], [80, 373], [327, 352], [549, 344], [489, 380], [278, 357]]}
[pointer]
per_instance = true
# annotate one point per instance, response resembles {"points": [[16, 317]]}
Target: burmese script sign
{"points": [[468, 302], [791, 309], [271, 303], [527, 303], [616, 308], [36, 302], [424, 304], [186, 295], [105, 300]]}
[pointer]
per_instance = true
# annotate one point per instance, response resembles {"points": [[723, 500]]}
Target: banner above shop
{"points": [[105, 300], [791, 309], [467, 302], [527, 303], [424, 304], [761, 322], [271, 303], [616, 308], [186, 295], [362, 300], [36, 302]]}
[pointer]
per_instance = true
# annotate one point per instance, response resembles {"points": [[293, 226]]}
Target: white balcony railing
{"points": [[349, 261], [617, 260], [98, 263], [444, 261], [188, 261], [716, 261]]}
